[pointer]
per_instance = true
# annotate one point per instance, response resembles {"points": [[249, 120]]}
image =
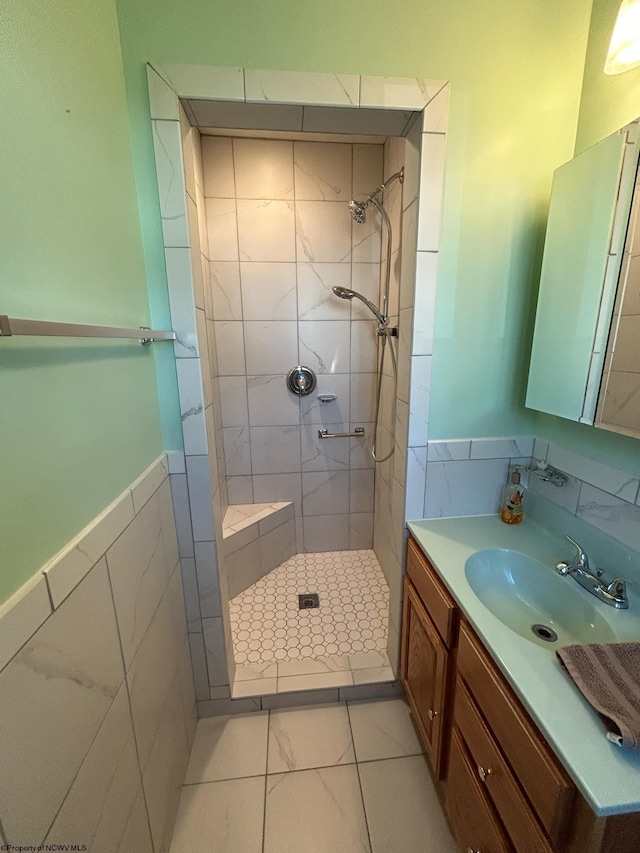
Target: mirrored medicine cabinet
{"points": [[585, 358]]}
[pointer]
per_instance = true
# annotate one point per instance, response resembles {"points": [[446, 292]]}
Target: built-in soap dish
{"points": [[547, 474], [327, 398]]}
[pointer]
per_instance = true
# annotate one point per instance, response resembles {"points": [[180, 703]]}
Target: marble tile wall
{"points": [[98, 703], [467, 476], [198, 475], [464, 476], [280, 236], [425, 159], [604, 497], [258, 548], [295, 92]]}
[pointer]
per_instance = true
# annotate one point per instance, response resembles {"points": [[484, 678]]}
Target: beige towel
{"points": [[609, 677]]}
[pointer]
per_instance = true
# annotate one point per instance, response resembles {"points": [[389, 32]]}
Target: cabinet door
{"points": [[577, 252], [471, 817], [424, 675]]}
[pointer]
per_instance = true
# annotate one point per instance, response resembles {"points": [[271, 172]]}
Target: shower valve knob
{"points": [[301, 380]]}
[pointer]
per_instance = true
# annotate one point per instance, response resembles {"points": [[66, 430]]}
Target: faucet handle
{"points": [[580, 560], [618, 588]]}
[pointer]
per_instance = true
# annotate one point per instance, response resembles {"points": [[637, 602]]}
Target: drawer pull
{"points": [[471, 850], [432, 714], [484, 772]]}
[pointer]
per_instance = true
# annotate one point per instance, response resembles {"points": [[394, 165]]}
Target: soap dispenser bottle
{"points": [[511, 510]]}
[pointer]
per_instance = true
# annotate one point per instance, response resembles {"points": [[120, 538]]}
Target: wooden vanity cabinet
{"points": [[429, 620], [505, 790]]}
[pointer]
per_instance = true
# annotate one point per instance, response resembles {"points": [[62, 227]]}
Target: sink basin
{"points": [[533, 601]]}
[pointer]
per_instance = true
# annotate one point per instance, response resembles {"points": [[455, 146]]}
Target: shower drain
{"points": [[308, 601], [543, 632]]}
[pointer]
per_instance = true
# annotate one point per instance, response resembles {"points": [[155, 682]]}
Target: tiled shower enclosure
{"points": [[255, 237]]}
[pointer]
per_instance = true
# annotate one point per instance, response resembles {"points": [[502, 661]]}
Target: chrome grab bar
{"points": [[357, 433], [11, 326]]}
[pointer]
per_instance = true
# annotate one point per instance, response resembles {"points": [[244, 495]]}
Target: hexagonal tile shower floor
{"points": [[268, 626]]}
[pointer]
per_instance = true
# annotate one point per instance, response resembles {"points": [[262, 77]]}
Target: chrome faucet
{"points": [[579, 564], [614, 593]]}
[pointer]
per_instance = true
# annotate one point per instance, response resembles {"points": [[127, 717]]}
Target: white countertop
{"points": [[607, 776]]}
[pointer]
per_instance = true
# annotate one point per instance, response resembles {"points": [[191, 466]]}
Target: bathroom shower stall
{"points": [[280, 238], [281, 241], [302, 255]]}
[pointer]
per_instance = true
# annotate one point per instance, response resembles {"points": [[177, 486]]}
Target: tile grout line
{"points": [[355, 755], [216, 781], [266, 771], [389, 757], [315, 766], [297, 261], [307, 769]]}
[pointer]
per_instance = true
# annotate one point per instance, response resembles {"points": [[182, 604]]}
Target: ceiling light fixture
{"points": [[624, 49]]}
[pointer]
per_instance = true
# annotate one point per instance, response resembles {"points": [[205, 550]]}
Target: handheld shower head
{"points": [[346, 293], [343, 292]]}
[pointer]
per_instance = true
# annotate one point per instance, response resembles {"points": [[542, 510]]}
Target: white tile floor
{"points": [[310, 674], [268, 626], [346, 777]]}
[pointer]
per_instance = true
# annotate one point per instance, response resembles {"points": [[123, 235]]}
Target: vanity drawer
{"points": [[545, 783], [436, 599], [493, 772], [472, 819]]}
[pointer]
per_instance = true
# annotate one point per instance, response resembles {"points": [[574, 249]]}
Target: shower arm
{"points": [[397, 176]]}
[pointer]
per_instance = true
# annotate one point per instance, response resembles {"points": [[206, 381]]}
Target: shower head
{"points": [[346, 293], [356, 209], [343, 292]]}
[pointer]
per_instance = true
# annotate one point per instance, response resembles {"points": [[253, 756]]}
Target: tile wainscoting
{"points": [[462, 476], [466, 477], [600, 495], [96, 690]]}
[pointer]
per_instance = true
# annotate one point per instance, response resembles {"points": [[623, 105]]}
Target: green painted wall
{"points": [[516, 71], [607, 104], [78, 420]]}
